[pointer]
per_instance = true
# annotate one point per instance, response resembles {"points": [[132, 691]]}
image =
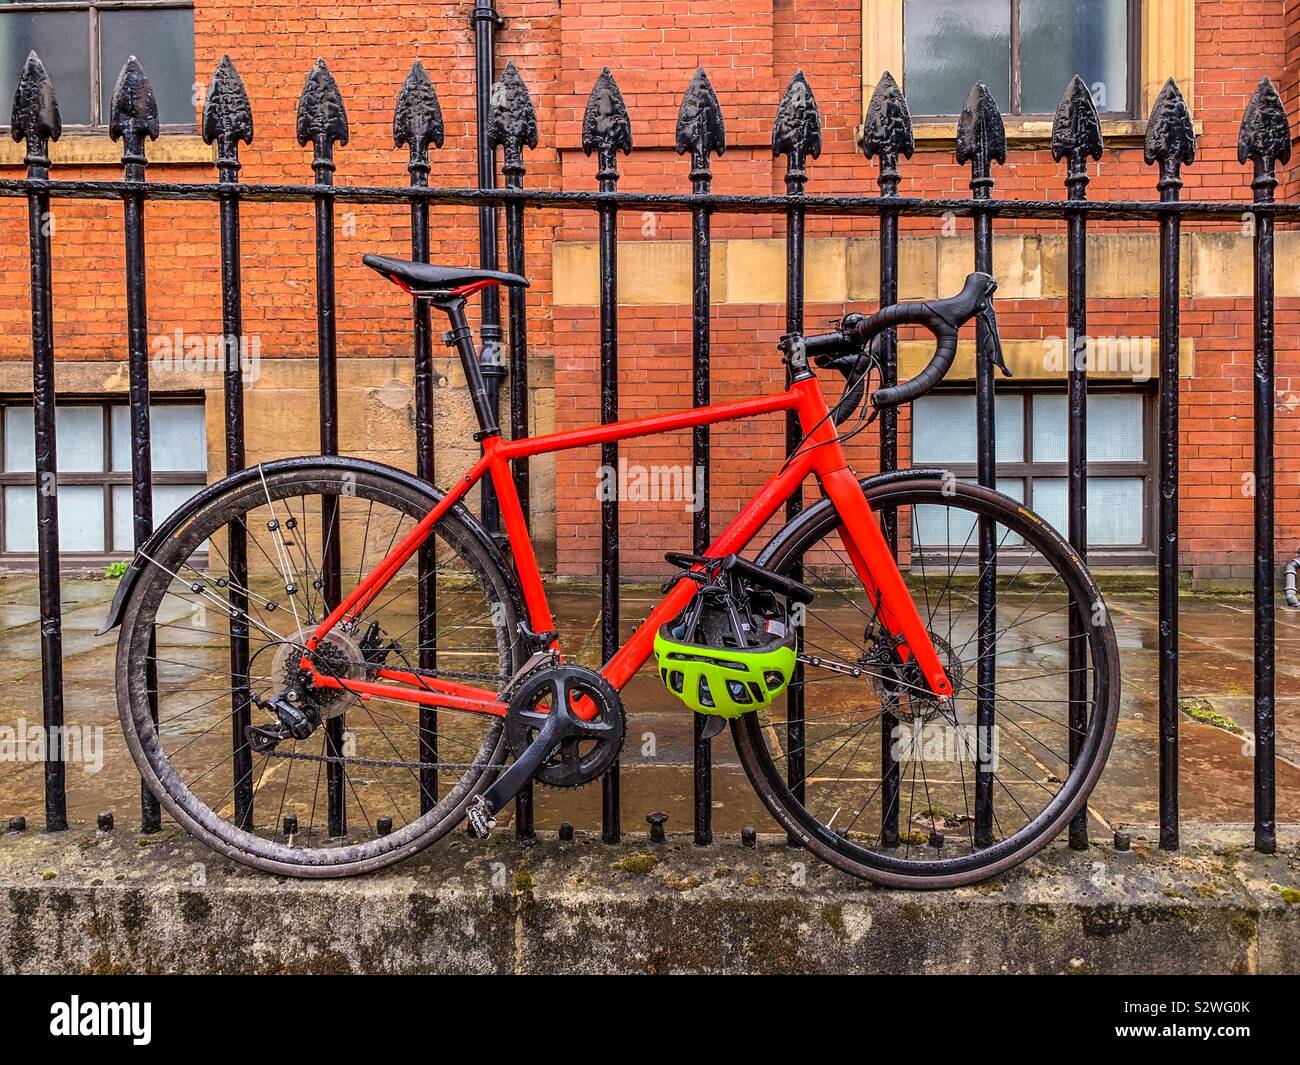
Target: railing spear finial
{"points": [[1076, 135], [227, 117], [1171, 140], [1265, 136], [700, 128], [512, 121], [35, 116], [322, 118], [606, 126], [797, 132], [417, 119], [981, 138], [134, 116], [887, 132]]}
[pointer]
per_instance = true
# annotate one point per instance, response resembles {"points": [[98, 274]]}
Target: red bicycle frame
{"points": [[820, 454]]}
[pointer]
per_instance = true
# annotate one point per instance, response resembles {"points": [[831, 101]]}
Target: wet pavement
{"points": [[1216, 773]]}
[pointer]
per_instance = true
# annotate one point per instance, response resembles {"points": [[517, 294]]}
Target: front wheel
{"points": [[881, 781]]}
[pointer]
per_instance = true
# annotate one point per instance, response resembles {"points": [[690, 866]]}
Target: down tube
{"points": [[734, 538]]}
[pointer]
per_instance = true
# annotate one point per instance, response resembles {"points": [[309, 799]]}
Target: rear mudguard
{"points": [[814, 513], [179, 517]]}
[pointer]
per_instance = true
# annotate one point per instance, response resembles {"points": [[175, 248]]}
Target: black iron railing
{"points": [[508, 122]]}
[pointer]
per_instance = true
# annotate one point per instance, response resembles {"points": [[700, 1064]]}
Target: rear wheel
{"points": [[881, 781], [374, 780]]}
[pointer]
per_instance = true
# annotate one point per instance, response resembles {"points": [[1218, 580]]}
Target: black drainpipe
{"points": [[485, 21]]}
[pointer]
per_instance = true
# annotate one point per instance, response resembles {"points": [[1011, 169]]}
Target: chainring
{"points": [[581, 759]]}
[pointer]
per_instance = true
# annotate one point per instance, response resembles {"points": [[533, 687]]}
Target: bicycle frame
{"points": [[821, 455]]}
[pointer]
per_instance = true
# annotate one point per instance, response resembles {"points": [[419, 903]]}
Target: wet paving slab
{"points": [[1215, 731]]}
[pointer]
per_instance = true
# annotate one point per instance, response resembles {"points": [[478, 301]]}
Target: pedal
{"points": [[480, 816]]}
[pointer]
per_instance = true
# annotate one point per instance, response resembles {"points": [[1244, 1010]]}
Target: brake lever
{"points": [[991, 348]]}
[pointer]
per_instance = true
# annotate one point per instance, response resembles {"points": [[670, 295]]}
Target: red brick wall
{"points": [[750, 49]]}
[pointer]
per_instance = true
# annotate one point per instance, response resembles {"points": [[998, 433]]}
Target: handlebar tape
{"points": [[942, 318]]}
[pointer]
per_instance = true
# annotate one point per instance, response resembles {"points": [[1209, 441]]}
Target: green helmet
{"points": [[726, 655]]}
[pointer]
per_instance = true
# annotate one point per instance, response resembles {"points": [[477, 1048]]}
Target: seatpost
{"points": [[461, 338]]}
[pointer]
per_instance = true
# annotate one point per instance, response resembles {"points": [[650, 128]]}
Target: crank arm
{"points": [[507, 785]]}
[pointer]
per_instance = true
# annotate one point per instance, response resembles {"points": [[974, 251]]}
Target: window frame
{"points": [[1027, 470], [1133, 65], [93, 7], [107, 477]]}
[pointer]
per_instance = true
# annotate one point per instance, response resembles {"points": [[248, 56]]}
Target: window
{"points": [[84, 46], [94, 456], [1023, 50], [1031, 454]]}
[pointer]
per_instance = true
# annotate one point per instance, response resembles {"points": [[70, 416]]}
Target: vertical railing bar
{"points": [[484, 20], [1265, 139], [981, 140], [512, 124], [606, 129], [227, 119], [322, 121], [417, 123], [1076, 135], [796, 134], [700, 130], [36, 120], [1171, 142], [135, 116], [887, 133]]}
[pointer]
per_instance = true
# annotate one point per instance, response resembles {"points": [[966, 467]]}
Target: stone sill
{"points": [[96, 149], [113, 902]]}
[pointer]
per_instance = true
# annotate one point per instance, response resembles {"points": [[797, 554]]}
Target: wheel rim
{"points": [[845, 787], [378, 751]]}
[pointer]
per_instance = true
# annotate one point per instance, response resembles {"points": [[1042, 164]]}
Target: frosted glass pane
{"points": [[166, 498], [81, 518], [164, 43], [943, 429], [936, 526], [178, 437], [1114, 508], [1115, 430], [62, 40], [951, 44], [80, 434], [1059, 38]]}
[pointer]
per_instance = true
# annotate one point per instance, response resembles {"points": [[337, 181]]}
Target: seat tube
{"points": [[460, 337]]}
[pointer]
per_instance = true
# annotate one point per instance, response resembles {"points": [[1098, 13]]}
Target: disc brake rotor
{"points": [[337, 655]]}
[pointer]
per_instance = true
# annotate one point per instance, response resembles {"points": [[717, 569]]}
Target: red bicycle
{"points": [[321, 637]]}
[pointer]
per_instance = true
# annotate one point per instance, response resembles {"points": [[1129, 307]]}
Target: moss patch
{"points": [[635, 863], [1200, 710], [1289, 895]]}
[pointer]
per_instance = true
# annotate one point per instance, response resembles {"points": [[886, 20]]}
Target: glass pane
{"points": [[951, 44], [163, 41], [166, 498], [62, 40], [81, 518], [934, 526], [1114, 508], [80, 434], [177, 437], [1059, 38], [943, 429], [1115, 430]]}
